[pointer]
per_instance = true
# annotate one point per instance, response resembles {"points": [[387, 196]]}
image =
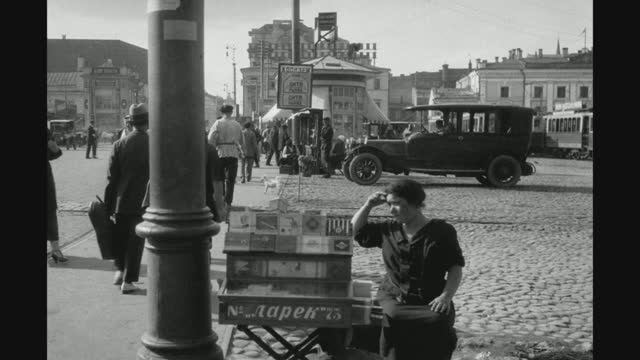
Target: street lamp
{"points": [[177, 224]]}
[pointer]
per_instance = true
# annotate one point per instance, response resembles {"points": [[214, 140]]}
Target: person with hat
{"points": [[326, 138], [92, 140], [226, 135], [126, 129], [273, 143], [127, 178]]}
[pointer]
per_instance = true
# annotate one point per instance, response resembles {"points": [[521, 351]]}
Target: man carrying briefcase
{"points": [[127, 176]]}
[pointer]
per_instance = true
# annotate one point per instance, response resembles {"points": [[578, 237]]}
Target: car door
{"points": [[476, 137], [438, 151]]}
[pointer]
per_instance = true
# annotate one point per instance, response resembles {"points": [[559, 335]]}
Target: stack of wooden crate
{"points": [[291, 268]]}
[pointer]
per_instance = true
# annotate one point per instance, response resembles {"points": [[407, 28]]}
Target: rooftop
{"points": [[62, 55], [63, 79]]}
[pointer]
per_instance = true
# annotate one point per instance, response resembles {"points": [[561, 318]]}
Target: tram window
{"points": [[492, 125], [478, 122], [575, 124], [536, 123], [591, 124], [557, 125], [466, 123]]}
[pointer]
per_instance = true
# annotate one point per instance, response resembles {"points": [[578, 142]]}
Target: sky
{"points": [[411, 35]]}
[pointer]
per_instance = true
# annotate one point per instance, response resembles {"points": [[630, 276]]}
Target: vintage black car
{"points": [[488, 142]]}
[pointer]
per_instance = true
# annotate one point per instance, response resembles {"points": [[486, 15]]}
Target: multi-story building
{"points": [[270, 45], [536, 81], [415, 89], [101, 78]]}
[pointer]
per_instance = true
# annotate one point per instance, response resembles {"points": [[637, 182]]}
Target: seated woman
{"points": [[288, 156], [423, 262]]}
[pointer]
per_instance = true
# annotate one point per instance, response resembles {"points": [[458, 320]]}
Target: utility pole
{"points": [[233, 59], [177, 224], [335, 41], [295, 33], [261, 102]]}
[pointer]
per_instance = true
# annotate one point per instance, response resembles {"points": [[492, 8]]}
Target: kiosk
{"points": [[291, 269]]}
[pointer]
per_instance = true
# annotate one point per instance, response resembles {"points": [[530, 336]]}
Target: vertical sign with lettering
{"points": [[294, 86]]}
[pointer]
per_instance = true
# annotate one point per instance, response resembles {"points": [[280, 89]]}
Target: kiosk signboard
{"points": [[294, 86]]}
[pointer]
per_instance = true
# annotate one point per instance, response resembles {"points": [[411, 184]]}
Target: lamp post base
{"points": [[211, 353]]}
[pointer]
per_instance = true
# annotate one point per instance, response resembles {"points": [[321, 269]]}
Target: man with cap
{"points": [[126, 129], [226, 135], [326, 137], [92, 140], [127, 178]]}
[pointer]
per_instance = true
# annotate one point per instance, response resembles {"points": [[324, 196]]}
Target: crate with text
{"points": [[340, 245], [338, 226], [266, 223], [262, 242], [234, 241], [287, 243], [241, 220], [313, 224], [239, 267], [289, 288], [290, 224]]}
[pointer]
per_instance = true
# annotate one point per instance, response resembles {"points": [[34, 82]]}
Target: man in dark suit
{"points": [[92, 140], [127, 177], [273, 141]]}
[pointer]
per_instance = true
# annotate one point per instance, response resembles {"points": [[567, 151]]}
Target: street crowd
{"points": [[422, 256]]}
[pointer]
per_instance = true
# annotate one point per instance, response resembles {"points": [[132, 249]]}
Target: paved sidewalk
{"points": [[88, 317]]}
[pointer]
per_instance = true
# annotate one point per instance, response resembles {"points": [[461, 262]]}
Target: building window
{"points": [[504, 91], [378, 102], [562, 92], [537, 92], [376, 84], [584, 92], [272, 85]]}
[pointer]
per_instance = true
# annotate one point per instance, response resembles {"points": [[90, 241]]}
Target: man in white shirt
{"points": [[226, 135]]}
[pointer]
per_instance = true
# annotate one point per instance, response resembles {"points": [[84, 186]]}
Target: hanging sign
{"points": [[294, 86]]}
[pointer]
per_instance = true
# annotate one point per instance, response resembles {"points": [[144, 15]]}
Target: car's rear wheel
{"points": [[482, 179], [504, 171], [345, 170], [365, 169]]}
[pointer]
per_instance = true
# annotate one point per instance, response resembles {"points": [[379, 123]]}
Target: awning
{"points": [[372, 113], [275, 113]]}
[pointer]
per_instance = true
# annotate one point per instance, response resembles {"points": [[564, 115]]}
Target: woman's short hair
{"points": [[409, 190], [247, 124]]}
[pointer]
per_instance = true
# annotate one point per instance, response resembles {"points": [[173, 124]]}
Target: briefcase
{"points": [[103, 227]]}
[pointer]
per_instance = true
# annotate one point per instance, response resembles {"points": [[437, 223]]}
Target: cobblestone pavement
{"points": [[528, 249]]}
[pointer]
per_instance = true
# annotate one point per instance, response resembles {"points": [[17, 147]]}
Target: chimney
{"points": [[497, 59], [470, 67], [519, 53], [504, 59], [510, 54], [80, 63], [64, 36], [478, 63], [540, 52], [565, 52], [445, 67]]}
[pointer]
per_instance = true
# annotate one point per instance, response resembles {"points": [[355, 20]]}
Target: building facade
{"points": [[415, 89], [536, 81], [100, 78], [270, 45]]}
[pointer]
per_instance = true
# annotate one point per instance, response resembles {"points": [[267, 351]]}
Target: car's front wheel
{"points": [[365, 169], [504, 171]]}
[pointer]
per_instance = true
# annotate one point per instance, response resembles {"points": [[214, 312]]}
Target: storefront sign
{"points": [[260, 313], [294, 86]]}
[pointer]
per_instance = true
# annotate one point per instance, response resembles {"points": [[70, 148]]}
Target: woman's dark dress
{"points": [[52, 206], [415, 276]]}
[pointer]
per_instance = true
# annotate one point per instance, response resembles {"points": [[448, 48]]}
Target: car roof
{"points": [[465, 106]]}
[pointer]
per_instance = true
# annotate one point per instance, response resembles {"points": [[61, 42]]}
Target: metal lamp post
{"points": [[177, 224]]}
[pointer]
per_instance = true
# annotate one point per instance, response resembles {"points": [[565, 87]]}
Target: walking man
{"points": [[226, 135], [250, 149], [266, 146], [326, 136], [92, 140], [259, 141], [127, 177], [273, 142]]}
